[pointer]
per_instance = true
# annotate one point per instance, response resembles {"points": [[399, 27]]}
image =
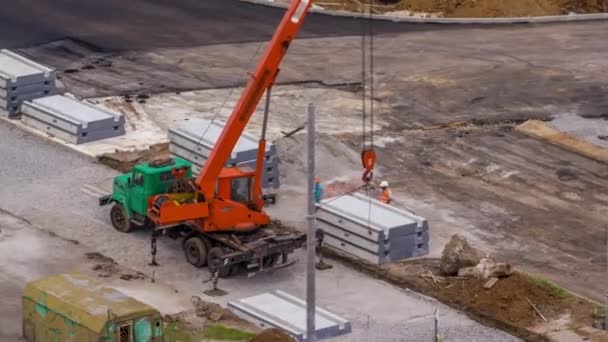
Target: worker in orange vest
{"points": [[385, 195]]}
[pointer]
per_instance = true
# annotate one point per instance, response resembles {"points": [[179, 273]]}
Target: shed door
{"points": [[125, 333], [28, 331]]}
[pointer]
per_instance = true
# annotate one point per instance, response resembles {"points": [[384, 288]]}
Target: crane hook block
{"points": [[368, 160]]}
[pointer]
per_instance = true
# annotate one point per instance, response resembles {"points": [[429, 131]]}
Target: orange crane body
{"points": [[230, 198]]}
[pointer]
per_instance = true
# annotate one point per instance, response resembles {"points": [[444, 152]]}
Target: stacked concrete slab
{"points": [[286, 312], [195, 139], [22, 79], [72, 120], [371, 230]]}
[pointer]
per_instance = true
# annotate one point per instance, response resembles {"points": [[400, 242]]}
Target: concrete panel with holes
{"points": [[286, 312], [371, 230], [194, 140], [72, 120], [22, 79]]}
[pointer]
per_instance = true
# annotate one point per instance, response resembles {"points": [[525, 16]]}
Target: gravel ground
{"points": [[56, 191]]}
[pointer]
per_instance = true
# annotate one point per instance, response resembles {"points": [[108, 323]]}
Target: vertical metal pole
{"points": [[266, 111], [436, 319], [310, 237]]}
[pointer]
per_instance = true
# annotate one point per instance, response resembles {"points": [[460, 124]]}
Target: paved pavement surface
{"points": [[112, 25], [56, 189], [26, 254]]}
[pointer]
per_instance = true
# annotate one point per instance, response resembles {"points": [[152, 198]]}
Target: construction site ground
{"points": [[59, 195], [447, 102]]}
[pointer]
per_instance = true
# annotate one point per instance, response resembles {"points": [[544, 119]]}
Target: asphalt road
{"points": [[111, 25]]}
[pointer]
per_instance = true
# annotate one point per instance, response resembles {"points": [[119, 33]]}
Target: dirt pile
{"points": [[212, 311], [485, 8], [273, 335]]}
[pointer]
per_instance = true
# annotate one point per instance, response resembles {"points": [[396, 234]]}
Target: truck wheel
{"points": [[196, 250], [119, 218], [213, 259]]}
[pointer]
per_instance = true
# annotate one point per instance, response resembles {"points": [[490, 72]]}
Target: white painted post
{"points": [[310, 237]]}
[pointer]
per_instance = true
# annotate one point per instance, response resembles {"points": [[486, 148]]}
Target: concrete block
{"points": [[46, 89], [71, 119], [286, 312], [200, 136], [13, 103], [371, 230], [16, 71], [195, 139]]}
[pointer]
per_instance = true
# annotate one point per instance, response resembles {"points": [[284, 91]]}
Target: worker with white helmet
{"points": [[385, 195]]}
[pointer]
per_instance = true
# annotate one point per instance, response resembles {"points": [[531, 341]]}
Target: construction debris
{"points": [[458, 254], [536, 310], [211, 311], [124, 161], [485, 269], [490, 283]]}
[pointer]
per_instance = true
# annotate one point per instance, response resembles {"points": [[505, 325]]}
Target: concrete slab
{"points": [[72, 120], [16, 70], [195, 139], [371, 230], [284, 311], [200, 136]]}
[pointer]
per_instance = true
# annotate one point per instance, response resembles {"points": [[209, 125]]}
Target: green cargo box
{"points": [[77, 308]]}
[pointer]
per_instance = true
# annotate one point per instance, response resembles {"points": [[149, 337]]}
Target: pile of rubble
{"points": [[460, 259]]}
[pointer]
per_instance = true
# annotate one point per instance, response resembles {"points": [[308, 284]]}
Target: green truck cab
{"points": [[76, 308], [131, 191]]}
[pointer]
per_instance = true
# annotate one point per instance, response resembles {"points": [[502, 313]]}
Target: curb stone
{"points": [[447, 21]]}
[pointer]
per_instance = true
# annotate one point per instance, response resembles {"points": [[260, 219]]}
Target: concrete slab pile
{"points": [[371, 230], [288, 313], [72, 120], [22, 79], [195, 139]]}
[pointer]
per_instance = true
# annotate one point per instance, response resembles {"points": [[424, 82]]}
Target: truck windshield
{"points": [[239, 191]]}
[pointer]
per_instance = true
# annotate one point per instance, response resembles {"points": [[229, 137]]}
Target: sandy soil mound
{"points": [[483, 8]]}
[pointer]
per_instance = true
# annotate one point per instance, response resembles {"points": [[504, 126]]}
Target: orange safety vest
{"points": [[385, 196]]}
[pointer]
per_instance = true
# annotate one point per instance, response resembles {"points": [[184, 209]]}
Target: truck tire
{"points": [[214, 254], [119, 218], [196, 249]]}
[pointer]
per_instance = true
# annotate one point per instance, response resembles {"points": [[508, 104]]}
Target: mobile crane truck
{"points": [[220, 214]]}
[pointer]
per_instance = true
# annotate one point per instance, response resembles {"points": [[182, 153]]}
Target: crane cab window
{"points": [[240, 190], [138, 178]]}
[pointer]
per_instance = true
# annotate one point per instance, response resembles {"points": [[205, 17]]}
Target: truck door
{"points": [[138, 198]]}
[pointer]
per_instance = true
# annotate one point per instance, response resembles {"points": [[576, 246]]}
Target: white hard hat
{"points": [[384, 184]]}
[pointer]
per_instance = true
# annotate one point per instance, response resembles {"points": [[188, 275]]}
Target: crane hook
{"points": [[368, 160]]}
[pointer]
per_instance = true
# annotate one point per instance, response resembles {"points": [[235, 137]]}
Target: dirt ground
{"points": [[476, 8], [272, 335]]}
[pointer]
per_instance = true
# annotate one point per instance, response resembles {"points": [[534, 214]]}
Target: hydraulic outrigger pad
{"points": [[215, 292]]}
